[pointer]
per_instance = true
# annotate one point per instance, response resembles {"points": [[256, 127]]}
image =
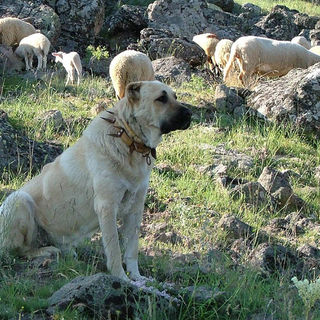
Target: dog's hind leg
{"points": [[18, 228]]}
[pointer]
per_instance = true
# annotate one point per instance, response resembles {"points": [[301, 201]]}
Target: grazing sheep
{"points": [[302, 41], [208, 42], [256, 55], [129, 66], [13, 30], [222, 53], [71, 62], [35, 44], [315, 49], [8, 60]]}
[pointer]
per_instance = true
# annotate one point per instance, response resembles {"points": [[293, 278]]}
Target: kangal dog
{"points": [[99, 181]]}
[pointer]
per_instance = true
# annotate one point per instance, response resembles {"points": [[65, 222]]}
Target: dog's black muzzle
{"points": [[179, 121]]}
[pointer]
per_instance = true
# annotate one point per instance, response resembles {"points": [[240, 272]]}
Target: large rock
{"points": [[160, 44], [124, 26], [42, 16], [81, 21], [225, 5], [104, 296], [279, 23], [19, 154], [294, 98]]}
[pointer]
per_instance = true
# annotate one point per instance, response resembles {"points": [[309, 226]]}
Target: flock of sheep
{"points": [[251, 55], [247, 56]]}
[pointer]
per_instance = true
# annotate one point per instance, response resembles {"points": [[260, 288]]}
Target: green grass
{"points": [[184, 197], [302, 6]]}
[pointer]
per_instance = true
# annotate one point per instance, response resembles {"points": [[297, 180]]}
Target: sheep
{"points": [[222, 53], [8, 60], [257, 55], [315, 49], [13, 30], [71, 62], [208, 42], [129, 66], [35, 44], [302, 41]]}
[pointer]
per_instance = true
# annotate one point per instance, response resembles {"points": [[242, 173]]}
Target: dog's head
{"points": [[155, 106]]}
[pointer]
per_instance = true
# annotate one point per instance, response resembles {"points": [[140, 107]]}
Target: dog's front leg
{"points": [[130, 234], [107, 214]]}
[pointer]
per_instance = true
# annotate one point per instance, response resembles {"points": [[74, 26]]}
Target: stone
{"points": [[52, 118], [293, 98], [225, 5], [235, 227], [227, 99], [104, 296]]}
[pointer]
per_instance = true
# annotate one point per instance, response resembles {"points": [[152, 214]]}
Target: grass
{"points": [[183, 197]]}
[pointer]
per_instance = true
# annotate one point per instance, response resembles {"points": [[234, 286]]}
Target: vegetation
{"points": [[188, 201]]}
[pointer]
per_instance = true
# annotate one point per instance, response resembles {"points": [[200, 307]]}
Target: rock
{"points": [[235, 227], [19, 154], [315, 37], [79, 20], [52, 118], [225, 5], [227, 99], [250, 10], [42, 16], [9, 61], [293, 98], [157, 45], [104, 296], [202, 294], [274, 259], [252, 193], [124, 26], [172, 69], [279, 24]]}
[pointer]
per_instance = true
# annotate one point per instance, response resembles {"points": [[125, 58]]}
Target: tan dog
{"points": [[101, 179]]}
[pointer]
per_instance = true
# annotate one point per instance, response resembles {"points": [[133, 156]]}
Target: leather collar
{"points": [[130, 138]]}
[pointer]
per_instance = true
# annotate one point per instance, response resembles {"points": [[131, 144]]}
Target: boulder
{"points": [[19, 154], [227, 99], [104, 296], [294, 98], [225, 5], [124, 26]]}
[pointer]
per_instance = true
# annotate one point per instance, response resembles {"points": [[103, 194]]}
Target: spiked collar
{"points": [[130, 138]]}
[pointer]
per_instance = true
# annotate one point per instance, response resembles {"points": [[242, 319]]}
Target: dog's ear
{"points": [[133, 91]]}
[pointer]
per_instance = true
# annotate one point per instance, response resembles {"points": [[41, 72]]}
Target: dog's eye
{"points": [[163, 99]]}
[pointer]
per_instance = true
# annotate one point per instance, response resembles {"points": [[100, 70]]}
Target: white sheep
{"points": [[222, 53], [13, 30], [315, 49], [257, 55], [208, 42], [35, 44], [129, 66], [302, 41], [71, 62]]}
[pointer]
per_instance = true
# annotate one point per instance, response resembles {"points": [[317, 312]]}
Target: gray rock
{"points": [[235, 227], [274, 259], [103, 296], [9, 62], [227, 99], [315, 37], [124, 26], [172, 70], [19, 154], [157, 45], [52, 118], [225, 5], [294, 98]]}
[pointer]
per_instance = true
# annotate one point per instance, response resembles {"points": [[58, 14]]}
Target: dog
{"points": [[99, 181]]}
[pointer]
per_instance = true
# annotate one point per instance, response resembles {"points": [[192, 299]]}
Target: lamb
{"points": [[35, 44], [302, 41], [257, 55], [129, 66], [208, 42], [13, 30], [315, 49], [222, 53], [71, 62]]}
